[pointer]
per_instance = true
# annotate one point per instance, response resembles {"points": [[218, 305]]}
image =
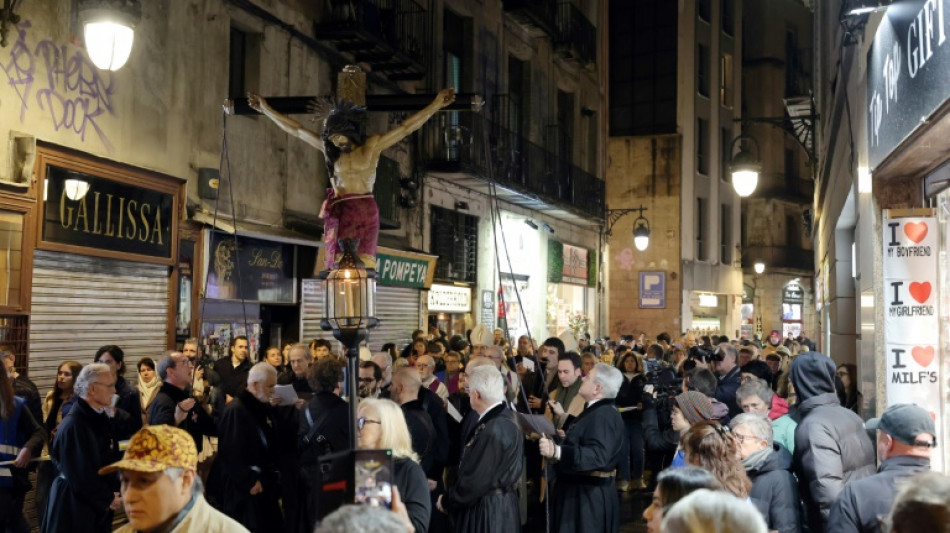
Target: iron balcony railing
{"points": [[470, 143], [540, 14], [390, 35], [576, 37]]}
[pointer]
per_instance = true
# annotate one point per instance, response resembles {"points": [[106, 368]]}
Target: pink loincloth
{"points": [[351, 216]]}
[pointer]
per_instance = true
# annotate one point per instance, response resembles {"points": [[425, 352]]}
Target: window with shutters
{"points": [[455, 241]]}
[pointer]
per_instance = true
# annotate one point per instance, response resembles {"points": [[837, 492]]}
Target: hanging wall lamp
{"points": [[109, 30], [641, 226], [745, 167]]}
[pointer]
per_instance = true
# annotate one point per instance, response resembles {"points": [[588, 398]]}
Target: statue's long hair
{"points": [[339, 117]]}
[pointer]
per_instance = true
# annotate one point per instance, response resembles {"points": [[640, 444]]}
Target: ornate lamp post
{"points": [[349, 309]]}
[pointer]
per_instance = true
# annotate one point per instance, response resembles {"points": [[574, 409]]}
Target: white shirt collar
{"points": [[490, 407]]}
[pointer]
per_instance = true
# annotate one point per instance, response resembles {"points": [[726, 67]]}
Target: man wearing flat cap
{"points": [[160, 490], [905, 437]]}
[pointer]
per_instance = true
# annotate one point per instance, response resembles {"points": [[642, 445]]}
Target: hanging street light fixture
{"points": [[349, 310], [745, 167], [759, 267], [109, 30], [641, 226]]}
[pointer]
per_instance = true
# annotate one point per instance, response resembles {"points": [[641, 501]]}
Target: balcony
{"points": [[389, 35], [779, 258], [538, 16], [794, 190], [469, 148], [576, 37]]}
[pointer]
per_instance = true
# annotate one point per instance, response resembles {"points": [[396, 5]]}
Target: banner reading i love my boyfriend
{"points": [[911, 320]]}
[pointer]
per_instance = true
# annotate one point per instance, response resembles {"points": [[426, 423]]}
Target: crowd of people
{"points": [[728, 436]]}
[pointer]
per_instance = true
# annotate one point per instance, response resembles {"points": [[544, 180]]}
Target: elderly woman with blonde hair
{"points": [[382, 426]]}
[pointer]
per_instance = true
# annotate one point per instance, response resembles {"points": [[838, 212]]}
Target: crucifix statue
{"points": [[349, 210]]}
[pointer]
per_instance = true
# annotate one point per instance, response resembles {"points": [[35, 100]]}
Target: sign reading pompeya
{"points": [[404, 269], [95, 212]]}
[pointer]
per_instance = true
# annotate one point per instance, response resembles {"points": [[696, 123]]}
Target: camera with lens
{"points": [[662, 386]]}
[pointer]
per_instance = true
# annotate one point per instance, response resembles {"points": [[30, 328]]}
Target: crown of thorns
{"points": [[339, 117]]}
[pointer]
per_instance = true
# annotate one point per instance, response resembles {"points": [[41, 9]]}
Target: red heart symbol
{"points": [[915, 231], [923, 356], [920, 291]]}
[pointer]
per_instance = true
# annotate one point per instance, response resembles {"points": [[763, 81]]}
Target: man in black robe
{"points": [[584, 498], [249, 446], [82, 501], [484, 496], [232, 370], [174, 405]]}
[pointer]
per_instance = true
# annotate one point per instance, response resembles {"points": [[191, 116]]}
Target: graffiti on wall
{"points": [[59, 83]]}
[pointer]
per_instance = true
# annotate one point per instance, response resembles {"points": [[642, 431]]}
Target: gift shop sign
{"points": [[908, 66], [911, 319]]}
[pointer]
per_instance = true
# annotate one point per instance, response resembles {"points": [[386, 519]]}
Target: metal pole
{"points": [[352, 371]]}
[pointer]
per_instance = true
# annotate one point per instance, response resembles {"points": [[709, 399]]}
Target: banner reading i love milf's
{"points": [[911, 318]]}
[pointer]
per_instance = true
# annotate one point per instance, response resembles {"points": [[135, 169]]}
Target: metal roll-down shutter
{"points": [[397, 309], [81, 303]]}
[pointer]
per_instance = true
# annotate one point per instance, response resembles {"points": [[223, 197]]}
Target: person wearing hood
{"points": [[768, 464], [832, 447]]}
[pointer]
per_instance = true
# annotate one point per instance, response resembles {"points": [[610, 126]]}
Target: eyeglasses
{"points": [[842, 374], [361, 422], [741, 438]]}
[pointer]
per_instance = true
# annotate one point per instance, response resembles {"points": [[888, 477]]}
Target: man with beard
{"points": [[249, 446], [584, 498], [485, 499], [174, 405], [565, 403], [370, 380]]}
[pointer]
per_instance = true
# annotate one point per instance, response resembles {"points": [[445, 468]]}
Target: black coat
{"points": [[485, 499], [631, 394], [79, 499], [198, 423], [775, 491], [233, 379], [131, 403], [726, 391], [249, 447], [583, 502], [409, 478], [864, 501], [423, 434], [832, 448]]}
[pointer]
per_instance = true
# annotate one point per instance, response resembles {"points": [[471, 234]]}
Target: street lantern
{"points": [[641, 233], [349, 309], [745, 167], [759, 267], [109, 30]]}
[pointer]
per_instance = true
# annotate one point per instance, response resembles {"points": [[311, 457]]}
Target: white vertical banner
{"points": [[911, 318]]}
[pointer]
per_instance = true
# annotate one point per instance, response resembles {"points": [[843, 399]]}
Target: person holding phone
{"points": [[382, 426], [485, 499]]}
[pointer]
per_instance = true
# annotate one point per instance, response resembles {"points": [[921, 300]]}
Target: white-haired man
{"points": [[249, 444], [485, 499], [80, 500], [587, 458], [161, 490]]}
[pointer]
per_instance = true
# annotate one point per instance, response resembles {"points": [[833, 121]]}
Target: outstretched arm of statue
{"points": [[285, 123], [411, 124]]}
